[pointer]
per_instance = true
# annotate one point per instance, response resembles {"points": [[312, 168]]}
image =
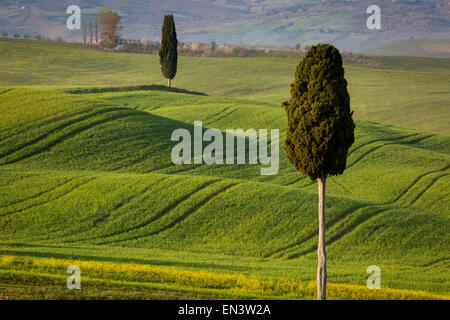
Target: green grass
{"points": [[101, 174], [85, 174], [394, 97], [105, 280]]}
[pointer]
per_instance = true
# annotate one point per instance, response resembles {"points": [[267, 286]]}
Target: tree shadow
{"points": [[132, 88]]}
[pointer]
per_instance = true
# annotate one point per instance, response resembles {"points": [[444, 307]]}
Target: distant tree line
{"points": [[28, 36], [110, 39], [205, 49], [109, 21]]}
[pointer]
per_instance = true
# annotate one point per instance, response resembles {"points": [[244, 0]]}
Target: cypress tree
{"points": [[168, 55], [90, 29], [83, 30], [96, 29], [320, 129]]}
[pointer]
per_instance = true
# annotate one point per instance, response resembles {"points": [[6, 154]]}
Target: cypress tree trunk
{"points": [[321, 255], [169, 83]]}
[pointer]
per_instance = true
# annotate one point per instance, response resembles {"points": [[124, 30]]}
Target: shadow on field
{"points": [[132, 88], [93, 257]]}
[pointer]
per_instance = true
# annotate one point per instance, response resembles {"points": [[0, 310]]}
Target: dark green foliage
{"points": [[320, 126], [168, 55]]}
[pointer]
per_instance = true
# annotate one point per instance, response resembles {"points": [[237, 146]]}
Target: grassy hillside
{"points": [[95, 169], [431, 48], [86, 178], [388, 96]]}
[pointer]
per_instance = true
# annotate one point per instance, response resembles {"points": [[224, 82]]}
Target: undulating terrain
{"points": [[86, 178]]}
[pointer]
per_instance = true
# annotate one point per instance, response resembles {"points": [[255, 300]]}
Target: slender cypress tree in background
{"points": [[168, 55], [96, 29], [83, 30], [91, 32], [320, 129]]}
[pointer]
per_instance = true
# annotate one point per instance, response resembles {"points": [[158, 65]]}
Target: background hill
{"points": [[387, 96], [433, 48], [263, 22]]}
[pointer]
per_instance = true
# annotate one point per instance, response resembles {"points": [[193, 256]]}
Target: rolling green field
{"points": [[86, 178], [385, 96]]}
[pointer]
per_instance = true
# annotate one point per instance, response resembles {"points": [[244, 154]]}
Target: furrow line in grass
{"points": [[383, 140], [427, 188], [340, 185], [127, 201], [418, 178], [195, 208], [132, 166], [309, 183], [6, 91], [301, 178], [312, 235], [366, 154], [160, 168], [159, 215], [117, 207], [223, 117], [182, 169], [372, 150], [216, 114], [183, 216], [429, 264], [37, 195], [43, 121], [64, 137], [16, 179], [248, 91], [352, 227], [394, 141], [57, 128], [347, 230], [290, 246], [192, 167], [419, 139], [46, 202]]}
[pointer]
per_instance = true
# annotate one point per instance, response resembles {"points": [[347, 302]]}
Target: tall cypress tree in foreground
{"points": [[320, 129], [168, 55]]}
